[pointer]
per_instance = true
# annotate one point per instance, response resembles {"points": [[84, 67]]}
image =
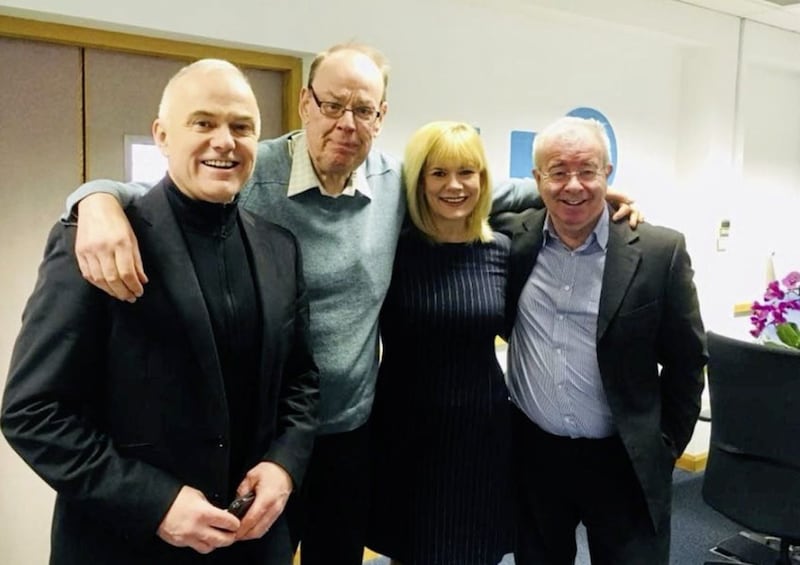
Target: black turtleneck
{"points": [[223, 265]]}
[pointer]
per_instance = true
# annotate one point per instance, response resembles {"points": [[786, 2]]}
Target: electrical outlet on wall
{"points": [[723, 233]]}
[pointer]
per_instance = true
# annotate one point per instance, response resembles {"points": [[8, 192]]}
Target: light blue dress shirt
{"points": [[554, 376]]}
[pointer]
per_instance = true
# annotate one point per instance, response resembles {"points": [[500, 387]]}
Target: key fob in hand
{"points": [[240, 506]]}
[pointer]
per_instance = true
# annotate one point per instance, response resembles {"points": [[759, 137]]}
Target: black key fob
{"points": [[240, 506]]}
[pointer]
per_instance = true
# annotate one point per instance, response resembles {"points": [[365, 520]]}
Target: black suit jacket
{"points": [[648, 317], [118, 405]]}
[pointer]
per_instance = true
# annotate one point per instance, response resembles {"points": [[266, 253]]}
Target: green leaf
{"points": [[788, 334]]}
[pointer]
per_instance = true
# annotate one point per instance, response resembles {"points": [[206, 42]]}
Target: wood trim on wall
{"points": [[290, 67]]}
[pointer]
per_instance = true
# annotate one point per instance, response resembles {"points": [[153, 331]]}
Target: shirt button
{"points": [[560, 316], [566, 287]]}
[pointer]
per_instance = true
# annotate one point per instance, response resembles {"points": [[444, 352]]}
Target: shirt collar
{"points": [[599, 233], [303, 177]]}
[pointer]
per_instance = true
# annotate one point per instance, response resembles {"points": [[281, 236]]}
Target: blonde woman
{"points": [[441, 414]]}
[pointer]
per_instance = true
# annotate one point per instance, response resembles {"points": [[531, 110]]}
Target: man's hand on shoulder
{"points": [[624, 207], [106, 248]]}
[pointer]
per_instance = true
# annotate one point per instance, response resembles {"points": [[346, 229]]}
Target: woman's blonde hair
{"points": [[453, 143]]}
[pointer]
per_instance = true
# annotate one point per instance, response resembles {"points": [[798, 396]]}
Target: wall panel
{"points": [[40, 156]]}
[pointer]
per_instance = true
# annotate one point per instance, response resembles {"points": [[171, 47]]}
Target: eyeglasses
{"points": [[560, 178], [366, 114]]}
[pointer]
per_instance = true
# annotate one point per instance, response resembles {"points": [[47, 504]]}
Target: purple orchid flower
{"points": [[780, 298], [792, 281], [774, 291]]}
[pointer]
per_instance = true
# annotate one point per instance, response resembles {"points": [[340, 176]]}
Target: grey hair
{"points": [[569, 127]]}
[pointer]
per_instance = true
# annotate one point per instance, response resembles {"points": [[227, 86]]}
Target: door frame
{"points": [[291, 68]]}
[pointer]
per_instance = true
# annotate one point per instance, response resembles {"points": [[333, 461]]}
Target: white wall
{"points": [[769, 143], [704, 106]]}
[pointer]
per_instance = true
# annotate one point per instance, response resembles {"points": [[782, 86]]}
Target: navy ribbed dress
{"points": [[440, 422]]}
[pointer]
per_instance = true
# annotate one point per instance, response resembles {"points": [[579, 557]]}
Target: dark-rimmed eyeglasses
{"points": [[335, 110]]}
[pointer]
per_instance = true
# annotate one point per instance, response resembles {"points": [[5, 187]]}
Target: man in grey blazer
{"points": [[606, 361], [149, 418]]}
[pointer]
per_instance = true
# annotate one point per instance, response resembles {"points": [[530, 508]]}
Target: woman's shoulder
{"points": [[501, 241]]}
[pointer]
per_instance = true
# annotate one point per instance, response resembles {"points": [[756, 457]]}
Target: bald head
{"points": [[203, 67], [376, 57], [208, 127]]}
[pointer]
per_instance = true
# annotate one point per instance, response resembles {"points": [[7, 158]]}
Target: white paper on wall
{"points": [[143, 160]]}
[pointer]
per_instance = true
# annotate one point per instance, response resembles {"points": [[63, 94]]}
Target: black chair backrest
{"points": [[753, 472], [755, 398]]}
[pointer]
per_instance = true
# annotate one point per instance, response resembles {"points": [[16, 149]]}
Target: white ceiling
{"points": [[768, 12]]}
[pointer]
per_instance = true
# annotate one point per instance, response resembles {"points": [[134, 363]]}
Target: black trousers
{"points": [[328, 515], [562, 482]]}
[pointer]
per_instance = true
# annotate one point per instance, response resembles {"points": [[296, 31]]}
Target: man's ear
{"points": [[384, 108], [302, 105], [537, 176], [609, 170], [160, 136]]}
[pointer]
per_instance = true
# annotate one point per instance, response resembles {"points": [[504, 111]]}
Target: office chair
{"points": [[753, 470]]}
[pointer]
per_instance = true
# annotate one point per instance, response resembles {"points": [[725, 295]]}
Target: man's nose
{"points": [[347, 120], [573, 182], [222, 139]]}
